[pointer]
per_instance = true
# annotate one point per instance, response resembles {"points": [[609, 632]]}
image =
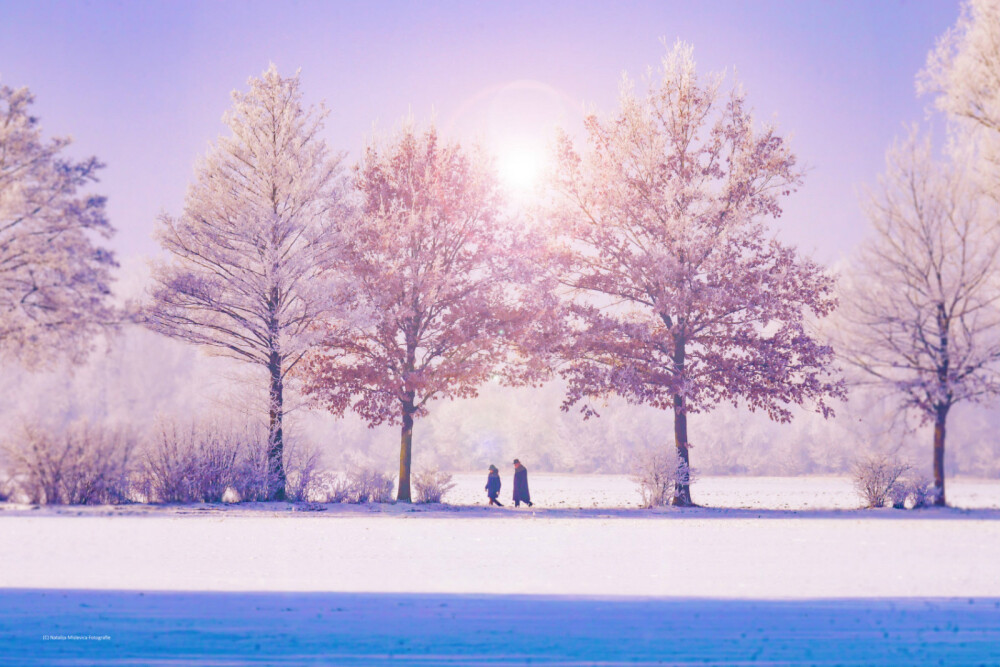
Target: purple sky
{"points": [[143, 85]]}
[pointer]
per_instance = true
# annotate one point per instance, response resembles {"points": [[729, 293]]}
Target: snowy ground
{"points": [[786, 574]]}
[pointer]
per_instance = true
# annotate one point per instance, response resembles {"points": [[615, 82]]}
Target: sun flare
{"points": [[521, 168]]}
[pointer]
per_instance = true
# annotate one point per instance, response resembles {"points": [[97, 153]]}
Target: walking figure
{"points": [[521, 494], [493, 486]]}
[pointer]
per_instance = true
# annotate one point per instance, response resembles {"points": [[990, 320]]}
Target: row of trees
{"points": [[650, 274], [649, 270]]}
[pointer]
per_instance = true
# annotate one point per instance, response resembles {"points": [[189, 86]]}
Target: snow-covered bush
{"points": [[657, 471], [432, 485], [368, 485], [330, 487], [302, 483], [200, 463], [82, 464], [361, 484], [6, 487], [898, 493], [190, 464], [254, 475], [921, 491], [877, 480]]}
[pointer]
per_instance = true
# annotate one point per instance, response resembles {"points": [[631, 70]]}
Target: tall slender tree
{"points": [[54, 280], [450, 284], [253, 255], [921, 315], [680, 297]]}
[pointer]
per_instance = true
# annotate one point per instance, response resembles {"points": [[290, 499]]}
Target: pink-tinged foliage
{"points": [[449, 281], [679, 296], [54, 281], [255, 251]]}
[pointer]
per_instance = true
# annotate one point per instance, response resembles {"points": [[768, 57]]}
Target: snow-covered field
{"points": [[787, 573], [778, 493]]}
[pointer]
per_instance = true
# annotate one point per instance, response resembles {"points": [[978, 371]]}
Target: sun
{"points": [[516, 122], [521, 167]]}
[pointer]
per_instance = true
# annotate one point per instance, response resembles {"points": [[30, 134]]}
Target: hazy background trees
{"points": [[254, 254]]}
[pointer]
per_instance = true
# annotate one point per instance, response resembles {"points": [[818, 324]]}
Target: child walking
{"points": [[493, 486]]}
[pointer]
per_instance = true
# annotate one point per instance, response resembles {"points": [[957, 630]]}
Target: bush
{"points": [[302, 483], [359, 485], [920, 491], [6, 488], [213, 464], [368, 485], [183, 466], [432, 485], [657, 472], [877, 480], [80, 465], [330, 487]]}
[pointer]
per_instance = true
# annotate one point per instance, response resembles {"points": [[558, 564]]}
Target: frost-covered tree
{"points": [[54, 279], [963, 74], [963, 69], [253, 253], [448, 279], [922, 308], [681, 297]]}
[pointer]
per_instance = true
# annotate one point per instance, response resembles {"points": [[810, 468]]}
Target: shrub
{"points": [[920, 491], [877, 480], [356, 486], [302, 483], [6, 488], [213, 464], [657, 472], [898, 493], [432, 485], [253, 478], [368, 485], [82, 464], [330, 487], [184, 465]]}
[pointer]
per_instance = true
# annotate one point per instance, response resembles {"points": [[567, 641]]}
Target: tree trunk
{"points": [[406, 451], [940, 417], [276, 452], [682, 490]]}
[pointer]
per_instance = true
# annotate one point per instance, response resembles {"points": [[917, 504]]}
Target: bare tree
{"points": [[922, 305], [254, 251]]}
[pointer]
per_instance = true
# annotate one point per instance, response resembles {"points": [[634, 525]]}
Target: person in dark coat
{"points": [[521, 494], [493, 486]]}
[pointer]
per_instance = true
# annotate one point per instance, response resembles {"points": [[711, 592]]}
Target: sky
{"points": [[143, 85]]}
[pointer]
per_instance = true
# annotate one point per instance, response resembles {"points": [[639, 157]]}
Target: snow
{"points": [[786, 572], [372, 629], [776, 493]]}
